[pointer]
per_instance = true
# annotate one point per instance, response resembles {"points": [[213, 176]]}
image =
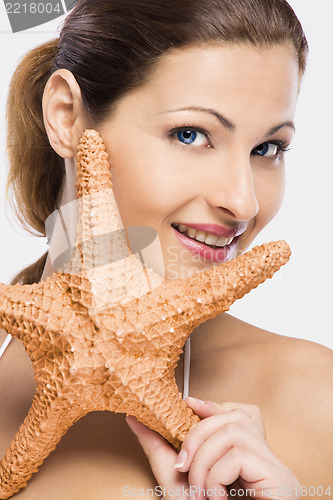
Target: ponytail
{"points": [[36, 171], [31, 274]]}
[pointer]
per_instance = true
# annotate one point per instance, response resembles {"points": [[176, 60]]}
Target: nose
{"points": [[232, 188]]}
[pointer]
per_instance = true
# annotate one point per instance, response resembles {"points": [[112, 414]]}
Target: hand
{"points": [[227, 448]]}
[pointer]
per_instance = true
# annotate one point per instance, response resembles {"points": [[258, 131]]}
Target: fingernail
{"points": [[196, 400], [181, 459]]}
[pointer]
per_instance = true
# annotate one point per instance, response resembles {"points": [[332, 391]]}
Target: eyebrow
{"points": [[228, 124], [274, 130]]}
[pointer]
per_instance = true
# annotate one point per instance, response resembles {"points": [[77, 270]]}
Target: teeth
{"points": [[208, 238], [211, 239], [191, 232], [222, 241], [200, 236]]}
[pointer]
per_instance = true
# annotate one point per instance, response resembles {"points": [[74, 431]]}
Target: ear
{"points": [[64, 118]]}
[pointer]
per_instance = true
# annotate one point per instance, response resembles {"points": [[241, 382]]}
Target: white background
{"points": [[298, 301]]}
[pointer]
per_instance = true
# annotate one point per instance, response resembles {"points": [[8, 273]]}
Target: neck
{"points": [[69, 190], [68, 195]]}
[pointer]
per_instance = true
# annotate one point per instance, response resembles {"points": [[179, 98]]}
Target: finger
{"points": [[205, 408], [152, 443], [208, 408], [252, 472], [202, 431], [253, 412], [160, 453], [218, 445]]}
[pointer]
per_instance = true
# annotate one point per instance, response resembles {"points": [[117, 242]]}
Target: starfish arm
{"points": [[92, 166], [26, 311], [102, 251], [172, 418], [206, 295], [16, 303], [172, 310], [159, 405], [100, 236], [47, 421]]}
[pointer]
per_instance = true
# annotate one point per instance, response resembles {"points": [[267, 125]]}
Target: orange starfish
{"points": [[105, 332]]}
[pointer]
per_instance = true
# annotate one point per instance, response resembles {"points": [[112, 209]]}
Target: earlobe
{"points": [[63, 115]]}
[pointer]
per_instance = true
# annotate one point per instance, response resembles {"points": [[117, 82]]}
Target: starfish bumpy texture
{"points": [[106, 332]]}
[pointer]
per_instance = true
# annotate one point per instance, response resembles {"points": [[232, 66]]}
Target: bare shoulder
{"points": [[298, 373], [298, 411], [282, 355], [290, 380], [304, 366]]}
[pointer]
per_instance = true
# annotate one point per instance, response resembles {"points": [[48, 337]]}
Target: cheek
{"points": [[145, 190], [150, 182]]}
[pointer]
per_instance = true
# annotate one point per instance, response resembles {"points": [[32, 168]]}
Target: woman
{"points": [[195, 104]]}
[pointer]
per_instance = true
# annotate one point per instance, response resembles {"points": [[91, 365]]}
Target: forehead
{"points": [[231, 76]]}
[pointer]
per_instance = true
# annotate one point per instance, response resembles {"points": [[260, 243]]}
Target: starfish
{"points": [[105, 332]]}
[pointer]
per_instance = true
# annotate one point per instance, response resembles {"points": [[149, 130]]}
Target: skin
{"points": [[278, 387]]}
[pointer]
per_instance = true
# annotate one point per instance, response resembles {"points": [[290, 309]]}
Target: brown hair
{"points": [[112, 46]]}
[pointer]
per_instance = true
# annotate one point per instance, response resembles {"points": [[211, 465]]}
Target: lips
{"points": [[212, 243], [215, 229]]}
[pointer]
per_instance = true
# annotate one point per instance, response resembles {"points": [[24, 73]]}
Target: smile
{"points": [[209, 239], [208, 246]]}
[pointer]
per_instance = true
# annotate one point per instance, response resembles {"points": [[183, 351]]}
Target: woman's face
{"points": [[197, 152]]}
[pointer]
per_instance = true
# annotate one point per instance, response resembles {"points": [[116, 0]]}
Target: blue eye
{"points": [[269, 150], [262, 149], [189, 136]]}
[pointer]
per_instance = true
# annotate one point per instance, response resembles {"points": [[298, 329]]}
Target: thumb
{"points": [[161, 455]]}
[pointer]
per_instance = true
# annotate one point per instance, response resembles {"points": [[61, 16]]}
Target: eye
{"points": [[270, 150], [190, 136]]}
